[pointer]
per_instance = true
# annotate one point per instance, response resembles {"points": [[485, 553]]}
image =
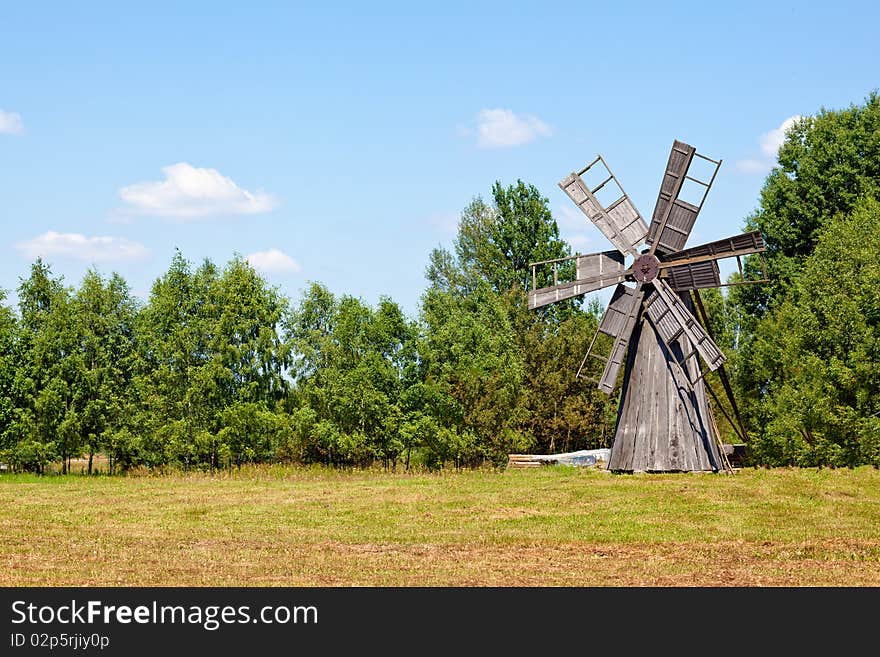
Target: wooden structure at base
{"points": [[664, 421]]}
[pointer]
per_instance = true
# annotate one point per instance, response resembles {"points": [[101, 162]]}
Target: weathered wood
{"points": [[694, 276], [580, 458], [621, 222], [614, 319], [688, 325], [678, 226], [676, 168], [606, 264], [663, 421], [737, 245], [618, 350], [594, 271]]}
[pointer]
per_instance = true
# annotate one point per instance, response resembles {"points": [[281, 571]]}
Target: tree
{"points": [[471, 360], [8, 366], [495, 244], [45, 424], [171, 344], [825, 165], [524, 365], [817, 354], [351, 366], [562, 412], [104, 315], [211, 353]]}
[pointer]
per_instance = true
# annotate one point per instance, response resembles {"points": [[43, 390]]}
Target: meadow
{"points": [[551, 526]]}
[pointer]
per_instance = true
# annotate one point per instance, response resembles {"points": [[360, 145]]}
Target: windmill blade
{"points": [[736, 245], [594, 271], [694, 276], [673, 217], [620, 221], [622, 322], [672, 319]]}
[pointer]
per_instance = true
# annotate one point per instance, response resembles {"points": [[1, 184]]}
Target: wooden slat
{"points": [[663, 318], [615, 315], [676, 168], [694, 276], [609, 272], [689, 326], [599, 264], [618, 351], [621, 222], [662, 426], [741, 244], [678, 226]]}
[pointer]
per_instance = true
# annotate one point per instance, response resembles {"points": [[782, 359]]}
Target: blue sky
{"points": [[339, 142]]}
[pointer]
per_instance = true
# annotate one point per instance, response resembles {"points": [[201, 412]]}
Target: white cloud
{"points": [[11, 123], [190, 192], [501, 128], [769, 143], [79, 247], [273, 261]]}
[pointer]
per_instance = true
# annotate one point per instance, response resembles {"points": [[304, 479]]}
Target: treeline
{"points": [[806, 346], [217, 368]]}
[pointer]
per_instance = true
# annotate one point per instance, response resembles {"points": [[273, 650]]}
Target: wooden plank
{"points": [[624, 227], [621, 341], [610, 271], [694, 276], [691, 328], [662, 316], [678, 226], [742, 244], [599, 264], [614, 318], [679, 161], [547, 295], [662, 424]]}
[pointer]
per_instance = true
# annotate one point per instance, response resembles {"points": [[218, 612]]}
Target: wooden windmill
{"points": [[664, 422]]}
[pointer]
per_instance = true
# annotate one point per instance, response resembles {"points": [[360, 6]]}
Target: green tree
{"points": [[8, 366], [211, 353], [563, 412], [524, 372], [826, 163], [817, 354], [104, 315], [48, 365], [471, 360], [171, 345], [496, 243], [352, 364]]}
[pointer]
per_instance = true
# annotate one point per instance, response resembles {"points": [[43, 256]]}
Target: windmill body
{"points": [[664, 420]]}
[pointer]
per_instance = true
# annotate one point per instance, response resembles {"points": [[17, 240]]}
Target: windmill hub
{"points": [[646, 267]]}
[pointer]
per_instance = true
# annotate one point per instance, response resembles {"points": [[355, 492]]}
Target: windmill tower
{"points": [[664, 422]]}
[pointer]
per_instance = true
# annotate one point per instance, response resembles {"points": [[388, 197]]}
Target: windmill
{"points": [[664, 422]]}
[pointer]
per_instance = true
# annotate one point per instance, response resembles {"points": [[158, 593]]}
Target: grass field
{"points": [[550, 526]]}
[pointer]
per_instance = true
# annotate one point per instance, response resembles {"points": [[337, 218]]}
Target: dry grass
{"points": [[548, 526]]}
